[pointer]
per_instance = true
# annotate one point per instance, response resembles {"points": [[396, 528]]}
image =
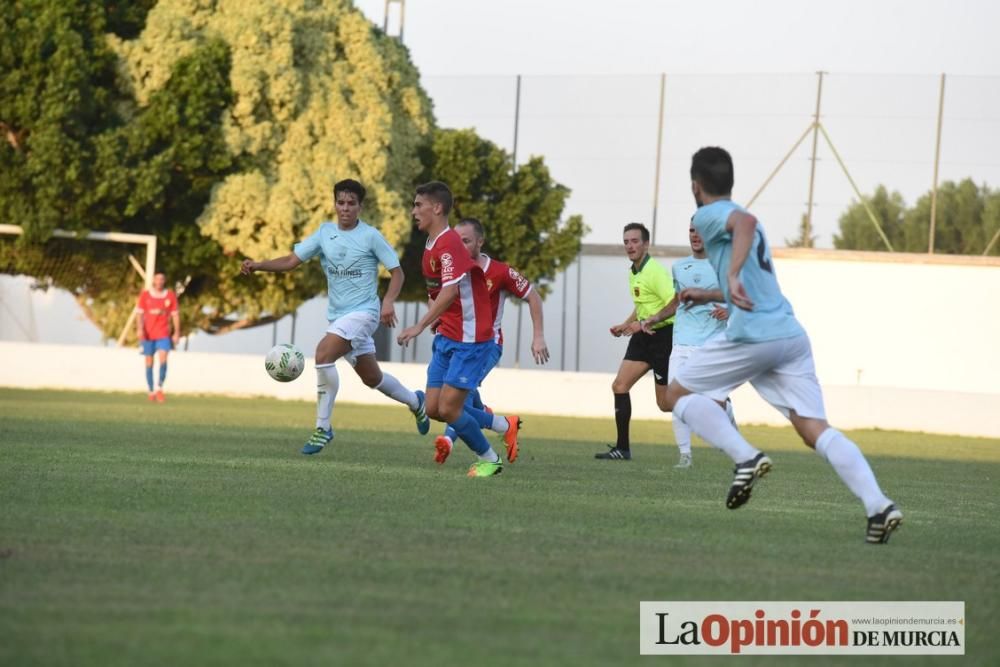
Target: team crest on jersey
{"points": [[489, 284], [447, 266], [166, 302], [433, 264], [635, 290], [697, 279]]}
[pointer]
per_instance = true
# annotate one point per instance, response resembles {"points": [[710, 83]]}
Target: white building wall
{"points": [[901, 341]]}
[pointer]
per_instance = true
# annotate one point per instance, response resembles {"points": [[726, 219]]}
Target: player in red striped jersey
{"points": [[156, 310], [502, 281], [463, 344]]}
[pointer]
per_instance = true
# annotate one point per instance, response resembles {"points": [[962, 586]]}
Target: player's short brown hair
{"points": [[641, 227], [439, 192]]}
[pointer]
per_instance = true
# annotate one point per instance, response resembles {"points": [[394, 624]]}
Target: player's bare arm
{"points": [[388, 315], [620, 329], [742, 227], [441, 303], [175, 317], [694, 296], [539, 350], [277, 265], [668, 311]]}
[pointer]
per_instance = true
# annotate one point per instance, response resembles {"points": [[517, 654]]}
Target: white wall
{"points": [[901, 341], [36, 365]]}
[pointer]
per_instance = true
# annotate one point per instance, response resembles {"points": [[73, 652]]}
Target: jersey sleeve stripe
{"points": [[454, 280]]}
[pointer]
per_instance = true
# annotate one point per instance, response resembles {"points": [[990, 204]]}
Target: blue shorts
{"points": [[148, 346], [460, 365], [494, 359]]}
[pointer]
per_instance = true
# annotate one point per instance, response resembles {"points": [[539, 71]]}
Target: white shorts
{"points": [[358, 329], [782, 372], [679, 354]]}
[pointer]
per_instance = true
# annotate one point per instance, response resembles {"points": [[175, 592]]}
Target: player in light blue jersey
{"points": [[694, 325], [350, 252], [763, 344]]}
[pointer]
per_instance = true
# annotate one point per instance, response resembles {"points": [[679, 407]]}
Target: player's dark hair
{"points": [[712, 168], [475, 224], [439, 192], [352, 186], [641, 227]]}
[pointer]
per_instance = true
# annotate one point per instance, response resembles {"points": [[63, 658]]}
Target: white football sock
{"points": [[852, 467], [682, 434], [707, 418], [327, 386], [489, 455], [500, 424], [395, 390]]}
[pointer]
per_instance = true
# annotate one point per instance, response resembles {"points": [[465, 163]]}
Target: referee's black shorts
{"points": [[653, 349]]}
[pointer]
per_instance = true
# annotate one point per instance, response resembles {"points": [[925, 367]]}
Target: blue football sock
{"points": [[449, 432], [483, 418], [149, 377], [477, 400], [468, 430], [163, 373]]}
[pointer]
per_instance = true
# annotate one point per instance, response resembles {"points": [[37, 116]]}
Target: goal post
{"points": [[149, 240], [145, 270]]}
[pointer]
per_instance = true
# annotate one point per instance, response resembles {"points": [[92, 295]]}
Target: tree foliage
{"points": [[967, 217], [81, 155], [57, 95], [520, 210], [805, 239], [318, 95], [221, 127], [857, 231]]}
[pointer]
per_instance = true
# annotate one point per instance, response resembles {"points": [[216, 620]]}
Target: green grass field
{"points": [[194, 533]]}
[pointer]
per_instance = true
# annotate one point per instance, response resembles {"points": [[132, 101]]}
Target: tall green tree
{"points": [[221, 127], [57, 93], [81, 155], [857, 231], [968, 215], [319, 94], [521, 210], [966, 219]]}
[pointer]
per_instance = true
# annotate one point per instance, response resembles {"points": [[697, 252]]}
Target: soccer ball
{"points": [[284, 362]]}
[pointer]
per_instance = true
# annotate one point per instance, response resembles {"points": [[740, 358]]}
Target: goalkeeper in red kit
{"points": [[156, 310]]}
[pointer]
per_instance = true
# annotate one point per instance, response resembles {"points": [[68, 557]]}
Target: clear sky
{"points": [[720, 36], [740, 73]]}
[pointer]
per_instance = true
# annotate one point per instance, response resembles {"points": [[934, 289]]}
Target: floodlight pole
{"points": [[579, 282], [937, 162], [517, 125], [812, 169], [402, 17], [659, 152], [517, 118]]}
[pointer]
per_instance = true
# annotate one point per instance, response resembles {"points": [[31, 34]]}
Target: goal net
{"points": [[103, 271]]}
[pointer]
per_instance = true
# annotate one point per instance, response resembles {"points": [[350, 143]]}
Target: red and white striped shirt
{"points": [[501, 280], [446, 262]]}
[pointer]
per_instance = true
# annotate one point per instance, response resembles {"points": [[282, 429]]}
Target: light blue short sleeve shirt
{"points": [[695, 325], [772, 317], [350, 261]]}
